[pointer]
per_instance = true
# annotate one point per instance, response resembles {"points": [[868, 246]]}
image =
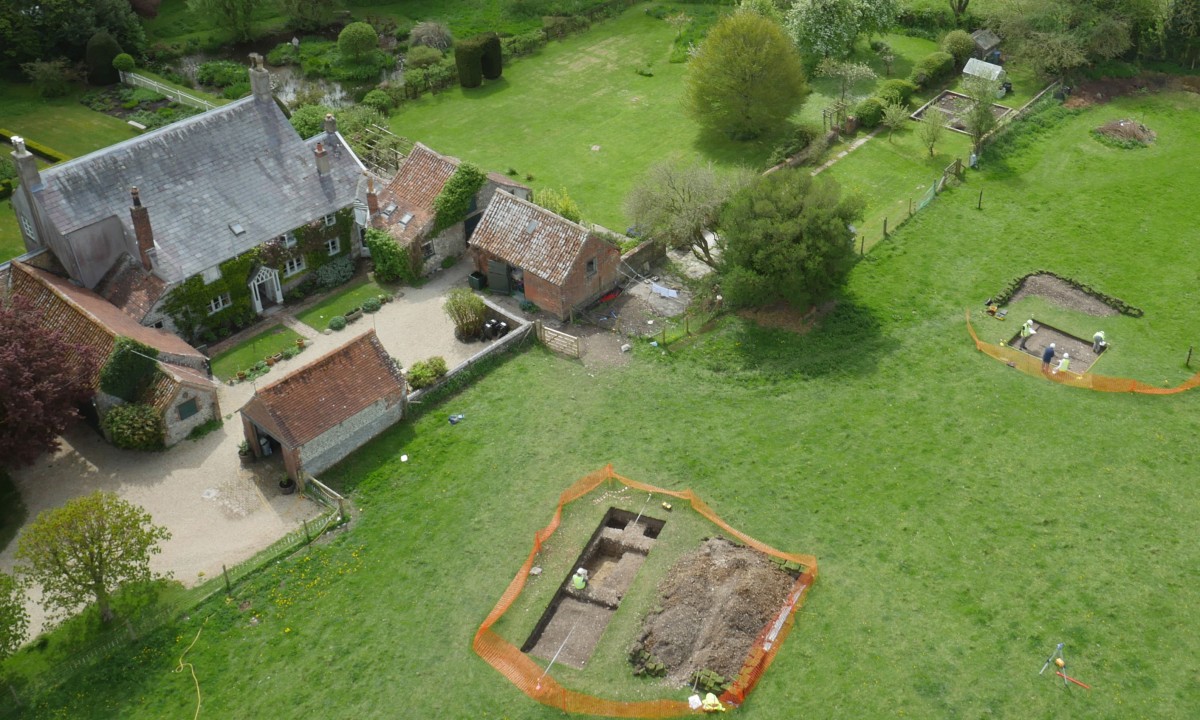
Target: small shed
{"points": [[550, 261], [327, 409], [987, 44], [980, 69]]}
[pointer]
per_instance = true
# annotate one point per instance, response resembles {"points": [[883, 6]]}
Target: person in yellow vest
{"points": [[579, 579], [1027, 332], [1064, 364], [711, 704]]}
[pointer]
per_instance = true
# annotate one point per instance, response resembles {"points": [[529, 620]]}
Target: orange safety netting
{"points": [[533, 680], [1031, 365]]}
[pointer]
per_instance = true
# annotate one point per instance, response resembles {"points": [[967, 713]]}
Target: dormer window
{"points": [[211, 275], [237, 229], [288, 240], [330, 220]]}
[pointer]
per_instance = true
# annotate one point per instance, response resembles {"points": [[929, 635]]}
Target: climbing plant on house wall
{"points": [[454, 201], [189, 303]]}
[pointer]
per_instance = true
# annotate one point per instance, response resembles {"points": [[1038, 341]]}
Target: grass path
{"points": [[966, 517]]}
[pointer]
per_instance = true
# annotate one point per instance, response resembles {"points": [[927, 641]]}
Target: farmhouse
{"points": [[199, 226], [406, 206], [322, 412], [181, 390], [542, 257]]}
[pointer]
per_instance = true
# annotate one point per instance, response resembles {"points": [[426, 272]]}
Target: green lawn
{"points": [[11, 244], [549, 110], [253, 349], [339, 303], [63, 124], [966, 517]]}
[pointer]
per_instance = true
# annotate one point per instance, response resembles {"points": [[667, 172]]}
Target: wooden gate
{"points": [[559, 342]]}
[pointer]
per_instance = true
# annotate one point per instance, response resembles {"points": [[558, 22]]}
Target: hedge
{"points": [[493, 57], [37, 148], [896, 91], [932, 68], [468, 57], [134, 427], [869, 112]]}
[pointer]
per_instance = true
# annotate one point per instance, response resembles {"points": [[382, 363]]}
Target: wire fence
{"points": [[153, 618]]}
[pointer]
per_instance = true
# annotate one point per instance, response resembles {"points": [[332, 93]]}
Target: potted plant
{"points": [[300, 343], [269, 360], [276, 357], [244, 452], [287, 486], [354, 314], [241, 375]]}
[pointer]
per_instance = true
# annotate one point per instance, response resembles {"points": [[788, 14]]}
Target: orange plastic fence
{"points": [[1031, 365], [533, 680]]}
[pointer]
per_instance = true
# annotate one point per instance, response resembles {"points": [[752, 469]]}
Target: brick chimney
{"points": [[322, 156], [372, 198], [330, 124], [26, 163], [141, 229], [260, 79]]}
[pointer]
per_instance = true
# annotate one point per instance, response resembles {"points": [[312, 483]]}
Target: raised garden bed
{"points": [[952, 105]]}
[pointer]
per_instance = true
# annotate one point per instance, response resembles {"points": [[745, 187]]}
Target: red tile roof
{"points": [[417, 183], [131, 288], [86, 317], [166, 383], [334, 388], [530, 237]]}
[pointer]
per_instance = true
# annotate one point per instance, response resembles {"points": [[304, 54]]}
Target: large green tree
{"points": [[33, 30], [233, 16], [787, 237], [675, 202], [14, 621], [824, 28], [1056, 38], [977, 113], [85, 550], [357, 41], [309, 14], [746, 78]]}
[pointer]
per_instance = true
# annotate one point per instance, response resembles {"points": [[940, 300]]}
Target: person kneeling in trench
{"points": [[712, 704], [580, 579]]}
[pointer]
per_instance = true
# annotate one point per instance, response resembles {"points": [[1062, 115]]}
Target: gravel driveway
{"points": [[219, 511]]}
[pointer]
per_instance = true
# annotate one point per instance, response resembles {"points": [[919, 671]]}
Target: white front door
{"points": [[265, 290]]}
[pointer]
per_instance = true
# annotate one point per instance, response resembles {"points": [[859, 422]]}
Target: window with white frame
{"points": [[293, 266], [219, 303], [289, 239], [330, 220], [26, 226], [211, 275], [333, 245]]}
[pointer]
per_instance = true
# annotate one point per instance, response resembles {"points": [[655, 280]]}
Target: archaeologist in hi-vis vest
{"points": [[579, 579]]}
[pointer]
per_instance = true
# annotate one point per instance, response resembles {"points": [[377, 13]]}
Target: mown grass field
{"points": [[966, 517]]}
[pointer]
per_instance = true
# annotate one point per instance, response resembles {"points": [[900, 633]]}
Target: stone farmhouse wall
{"points": [[325, 450]]}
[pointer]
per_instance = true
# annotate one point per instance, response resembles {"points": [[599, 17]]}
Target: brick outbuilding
{"points": [[327, 409], [552, 262]]}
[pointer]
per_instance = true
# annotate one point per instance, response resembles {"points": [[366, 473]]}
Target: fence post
{"points": [[664, 336], [910, 207], [307, 537], [1189, 360], [980, 205], [862, 246], [885, 227], [341, 509], [228, 586]]}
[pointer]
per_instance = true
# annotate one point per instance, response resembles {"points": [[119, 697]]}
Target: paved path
{"points": [[853, 146], [218, 511]]}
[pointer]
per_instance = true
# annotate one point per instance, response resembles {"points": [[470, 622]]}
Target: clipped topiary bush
{"points": [[134, 427], [467, 58], [869, 112], [422, 57], [337, 322], [960, 44], [101, 50], [335, 272], [124, 62], [357, 41], [371, 305], [896, 91], [379, 100], [932, 69], [493, 57]]}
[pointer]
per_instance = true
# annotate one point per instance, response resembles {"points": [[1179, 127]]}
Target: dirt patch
{"points": [[1127, 131], [715, 602], [954, 106], [1080, 350], [782, 316], [1062, 294], [1096, 92]]}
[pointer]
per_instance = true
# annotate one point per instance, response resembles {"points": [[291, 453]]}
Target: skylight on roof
{"points": [[533, 225], [237, 228], [391, 208], [406, 218]]}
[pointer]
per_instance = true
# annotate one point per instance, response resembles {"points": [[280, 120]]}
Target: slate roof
{"points": [[417, 183], [530, 237], [240, 163], [325, 393], [130, 287]]}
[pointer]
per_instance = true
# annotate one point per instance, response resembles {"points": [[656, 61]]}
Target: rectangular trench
{"points": [[574, 621]]}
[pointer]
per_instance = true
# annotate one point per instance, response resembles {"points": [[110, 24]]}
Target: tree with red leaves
{"points": [[43, 377]]}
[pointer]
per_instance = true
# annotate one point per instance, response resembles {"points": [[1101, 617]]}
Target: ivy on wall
{"points": [[188, 303], [454, 201]]}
